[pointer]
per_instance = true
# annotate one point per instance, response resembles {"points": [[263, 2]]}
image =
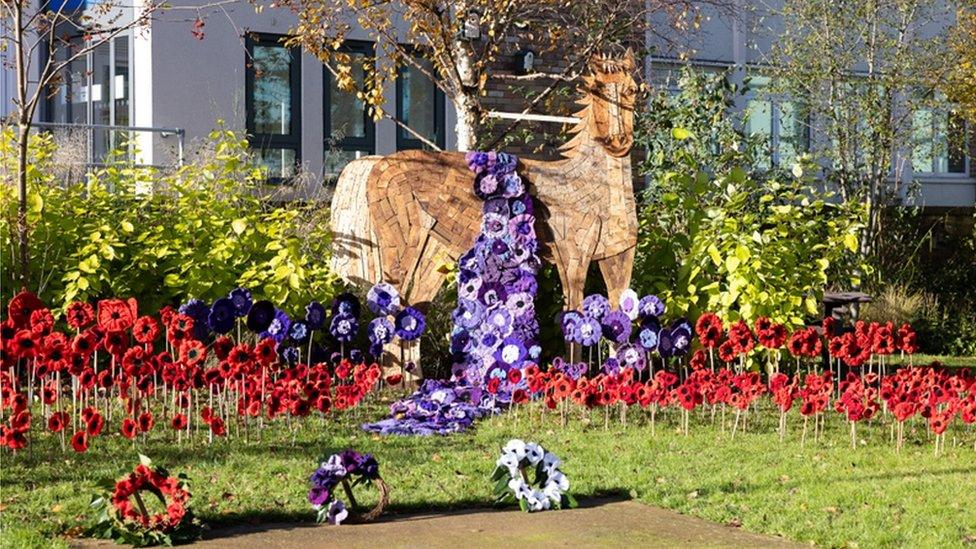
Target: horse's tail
{"points": [[355, 254]]}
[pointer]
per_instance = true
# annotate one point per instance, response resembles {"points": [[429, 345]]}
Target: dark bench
{"points": [[838, 304]]}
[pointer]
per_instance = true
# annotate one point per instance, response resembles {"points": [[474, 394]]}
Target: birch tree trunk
{"points": [[466, 102]]}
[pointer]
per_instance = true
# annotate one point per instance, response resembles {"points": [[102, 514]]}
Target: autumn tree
{"points": [[863, 70], [462, 40], [960, 86], [39, 36]]}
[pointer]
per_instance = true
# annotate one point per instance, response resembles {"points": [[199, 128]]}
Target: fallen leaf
{"points": [[784, 478], [693, 494], [56, 508], [435, 457], [831, 510]]}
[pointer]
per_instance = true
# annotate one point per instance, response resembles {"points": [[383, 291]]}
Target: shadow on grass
{"points": [[249, 522]]}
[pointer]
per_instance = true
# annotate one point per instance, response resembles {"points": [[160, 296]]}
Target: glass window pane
{"points": [[100, 97], [956, 145], [759, 123], [418, 102], [272, 90], [120, 84], [347, 112], [60, 101], [922, 146], [792, 134], [336, 159], [277, 163], [78, 87]]}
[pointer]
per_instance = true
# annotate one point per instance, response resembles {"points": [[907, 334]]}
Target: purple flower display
{"points": [[383, 299], [650, 306], [494, 322], [616, 327], [629, 304], [438, 407], [298, 331], [278, 328], [346, 304], [344, 327], [495, 327], [568, 322], [200, 313], [380, 331], [681, 336], [260, 315], [631, 356], [596, 306], [348, 464], [222, 315], [314, 316], [665, 343], [409, 324], [647, 334], [574, 371], [242, 301], [588, 331]]}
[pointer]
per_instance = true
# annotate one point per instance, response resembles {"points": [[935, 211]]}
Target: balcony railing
{"points": [[102, 139]]}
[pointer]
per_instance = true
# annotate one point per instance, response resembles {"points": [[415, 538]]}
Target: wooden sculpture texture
{"points": [[402, 217]]}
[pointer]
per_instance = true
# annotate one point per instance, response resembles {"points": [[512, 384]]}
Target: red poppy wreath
{"points": [[127, 516]]}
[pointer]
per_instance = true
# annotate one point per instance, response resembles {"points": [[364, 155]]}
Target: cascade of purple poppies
{"points": [[495, 328]]}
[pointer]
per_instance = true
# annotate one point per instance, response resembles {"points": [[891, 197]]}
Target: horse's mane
{"points": [[578, 132]]}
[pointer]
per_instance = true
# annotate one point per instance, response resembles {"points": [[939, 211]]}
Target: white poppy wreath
{"points": [[546, 490]]}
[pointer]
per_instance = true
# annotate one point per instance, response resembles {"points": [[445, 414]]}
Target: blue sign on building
{"points": [[67, 6]]}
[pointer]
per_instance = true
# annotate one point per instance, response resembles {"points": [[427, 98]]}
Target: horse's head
{"points": [[612, 94]]}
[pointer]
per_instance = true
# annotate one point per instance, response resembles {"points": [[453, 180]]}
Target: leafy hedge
{"points": [[197, 231]]}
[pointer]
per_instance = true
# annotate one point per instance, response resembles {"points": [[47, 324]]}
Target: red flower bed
{"points": [[109, 362]]}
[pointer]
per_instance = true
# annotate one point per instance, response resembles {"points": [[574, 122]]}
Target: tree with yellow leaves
{"points": [[960, 86], [458, 43]]}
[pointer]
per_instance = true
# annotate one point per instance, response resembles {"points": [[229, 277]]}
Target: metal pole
{"points": [[180, 137]]}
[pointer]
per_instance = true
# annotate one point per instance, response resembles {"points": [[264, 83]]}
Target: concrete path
{"points": [[598, 524]]}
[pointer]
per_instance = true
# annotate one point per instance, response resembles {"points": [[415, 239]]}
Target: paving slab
{"points": [[596, 524]]}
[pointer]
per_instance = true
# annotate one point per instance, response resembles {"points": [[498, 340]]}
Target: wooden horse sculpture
{"points": [[402, 217]]}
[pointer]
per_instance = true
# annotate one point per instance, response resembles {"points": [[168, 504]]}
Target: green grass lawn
{"points": [[825, 492], [946, 360]]}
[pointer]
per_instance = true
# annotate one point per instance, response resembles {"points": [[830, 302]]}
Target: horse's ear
{"points": [[597, 62], [629, 62]]}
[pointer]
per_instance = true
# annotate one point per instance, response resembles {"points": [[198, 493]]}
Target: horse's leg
{"points": [[425, 279], [573, 249], [617, 270]]}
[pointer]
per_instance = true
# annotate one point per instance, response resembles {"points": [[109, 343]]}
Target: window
{"points": [[780, 124], [419, 105], [349, 129], [272, 96], [939, 143], [95, 89]]}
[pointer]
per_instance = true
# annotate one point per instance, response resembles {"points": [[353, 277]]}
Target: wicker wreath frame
{"points": [[375, 512]]}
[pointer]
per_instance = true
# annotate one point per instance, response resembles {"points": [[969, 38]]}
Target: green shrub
{"points": [[715, 236], [197, 231]]}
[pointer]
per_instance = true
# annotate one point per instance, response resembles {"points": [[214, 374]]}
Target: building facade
{"points": [[175, 85]]}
